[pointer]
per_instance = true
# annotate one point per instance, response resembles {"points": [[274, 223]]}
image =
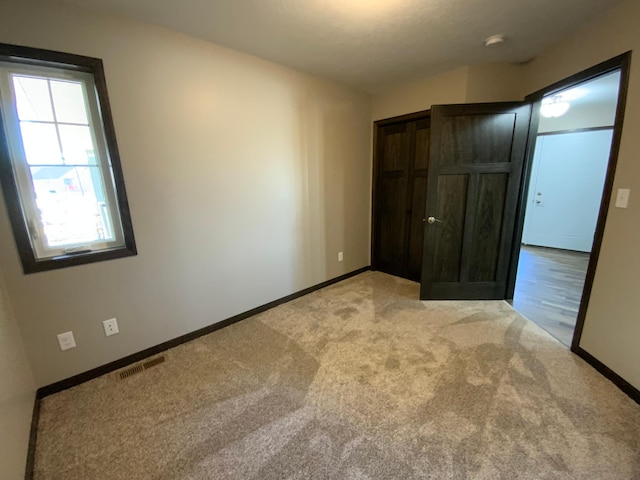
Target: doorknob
{"points": [[432, 220]]}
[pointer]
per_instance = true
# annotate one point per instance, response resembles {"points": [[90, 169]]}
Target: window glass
{"points": [[77, 145], [71, 204], [40, 143], [68, 99], [32, 98]]}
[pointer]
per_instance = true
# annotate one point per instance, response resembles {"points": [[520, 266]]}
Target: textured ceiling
{"points": [[369, 44]]}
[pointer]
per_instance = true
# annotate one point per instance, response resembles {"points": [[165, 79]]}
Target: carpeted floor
{"points": [[356, 381]]}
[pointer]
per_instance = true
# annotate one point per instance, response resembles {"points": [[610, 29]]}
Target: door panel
{"points": [[416, 234], [392, 221], [422, 146], [402, 158], [418, 175], [489, 210], [476, 158], [391, 191], [464, 138], [395, 145], [447, 236]]}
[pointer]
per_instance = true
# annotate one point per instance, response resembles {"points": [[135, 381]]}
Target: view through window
{"points": [[61, 153]]}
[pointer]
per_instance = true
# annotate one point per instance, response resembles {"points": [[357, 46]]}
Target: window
{"points": [[59, 164]]}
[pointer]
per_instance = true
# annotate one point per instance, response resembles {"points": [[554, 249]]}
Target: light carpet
{"points": [[359, 380]]}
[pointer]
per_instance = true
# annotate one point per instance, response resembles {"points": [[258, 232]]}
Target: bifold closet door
{"points": [[400, 171]]}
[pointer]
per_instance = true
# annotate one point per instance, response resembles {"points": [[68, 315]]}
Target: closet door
{"points": [[400, 180], [418, 199]]}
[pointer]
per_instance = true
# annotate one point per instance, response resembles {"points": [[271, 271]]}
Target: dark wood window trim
{"points": [[93, 66]]}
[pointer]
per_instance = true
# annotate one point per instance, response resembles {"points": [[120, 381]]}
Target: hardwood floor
{"points": [[549, 288]]}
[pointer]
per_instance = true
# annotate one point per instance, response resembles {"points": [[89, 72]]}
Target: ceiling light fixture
{"points": [[494, 40], [554, 106]]}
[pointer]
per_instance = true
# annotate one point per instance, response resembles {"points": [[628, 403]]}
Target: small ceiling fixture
{"points": [[494, 40], [554, 106]]}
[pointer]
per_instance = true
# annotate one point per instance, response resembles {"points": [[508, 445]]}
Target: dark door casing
{"points": [[476, 159], [400, 187]]}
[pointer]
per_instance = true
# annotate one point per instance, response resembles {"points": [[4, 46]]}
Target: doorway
{"points": [[612, 79], [480, 164], [572, 148]]}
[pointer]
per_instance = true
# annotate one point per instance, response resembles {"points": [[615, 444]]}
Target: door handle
{"points": [[432, 220]]}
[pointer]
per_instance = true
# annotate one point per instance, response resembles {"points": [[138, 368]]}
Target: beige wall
{"points": [[491, 82], [494, 82], [449, 87], [17, 392], [244, 178], [612, 329]]}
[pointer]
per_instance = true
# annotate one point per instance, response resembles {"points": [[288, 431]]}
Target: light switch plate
{"points": [[622, 198], [66, 341]]}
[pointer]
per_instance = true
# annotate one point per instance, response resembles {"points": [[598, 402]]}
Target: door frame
{"points": [[623, 64], [377, 125]]}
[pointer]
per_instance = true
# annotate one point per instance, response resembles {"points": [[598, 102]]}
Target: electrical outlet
{"points": [[66, 341], [340, 256], [110, 327], [622, 199]]}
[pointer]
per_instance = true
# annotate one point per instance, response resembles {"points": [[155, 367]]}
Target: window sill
{"points": [[63, 261]]}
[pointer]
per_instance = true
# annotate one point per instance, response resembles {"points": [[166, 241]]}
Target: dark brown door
{"points": [[476, 158], [400, 187]]}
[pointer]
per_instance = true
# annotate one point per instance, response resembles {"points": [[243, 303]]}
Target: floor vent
{"points": [[140, 367], [153, 362]]}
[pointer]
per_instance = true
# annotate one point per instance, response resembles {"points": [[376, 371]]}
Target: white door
{"points": [[565, 192]]}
